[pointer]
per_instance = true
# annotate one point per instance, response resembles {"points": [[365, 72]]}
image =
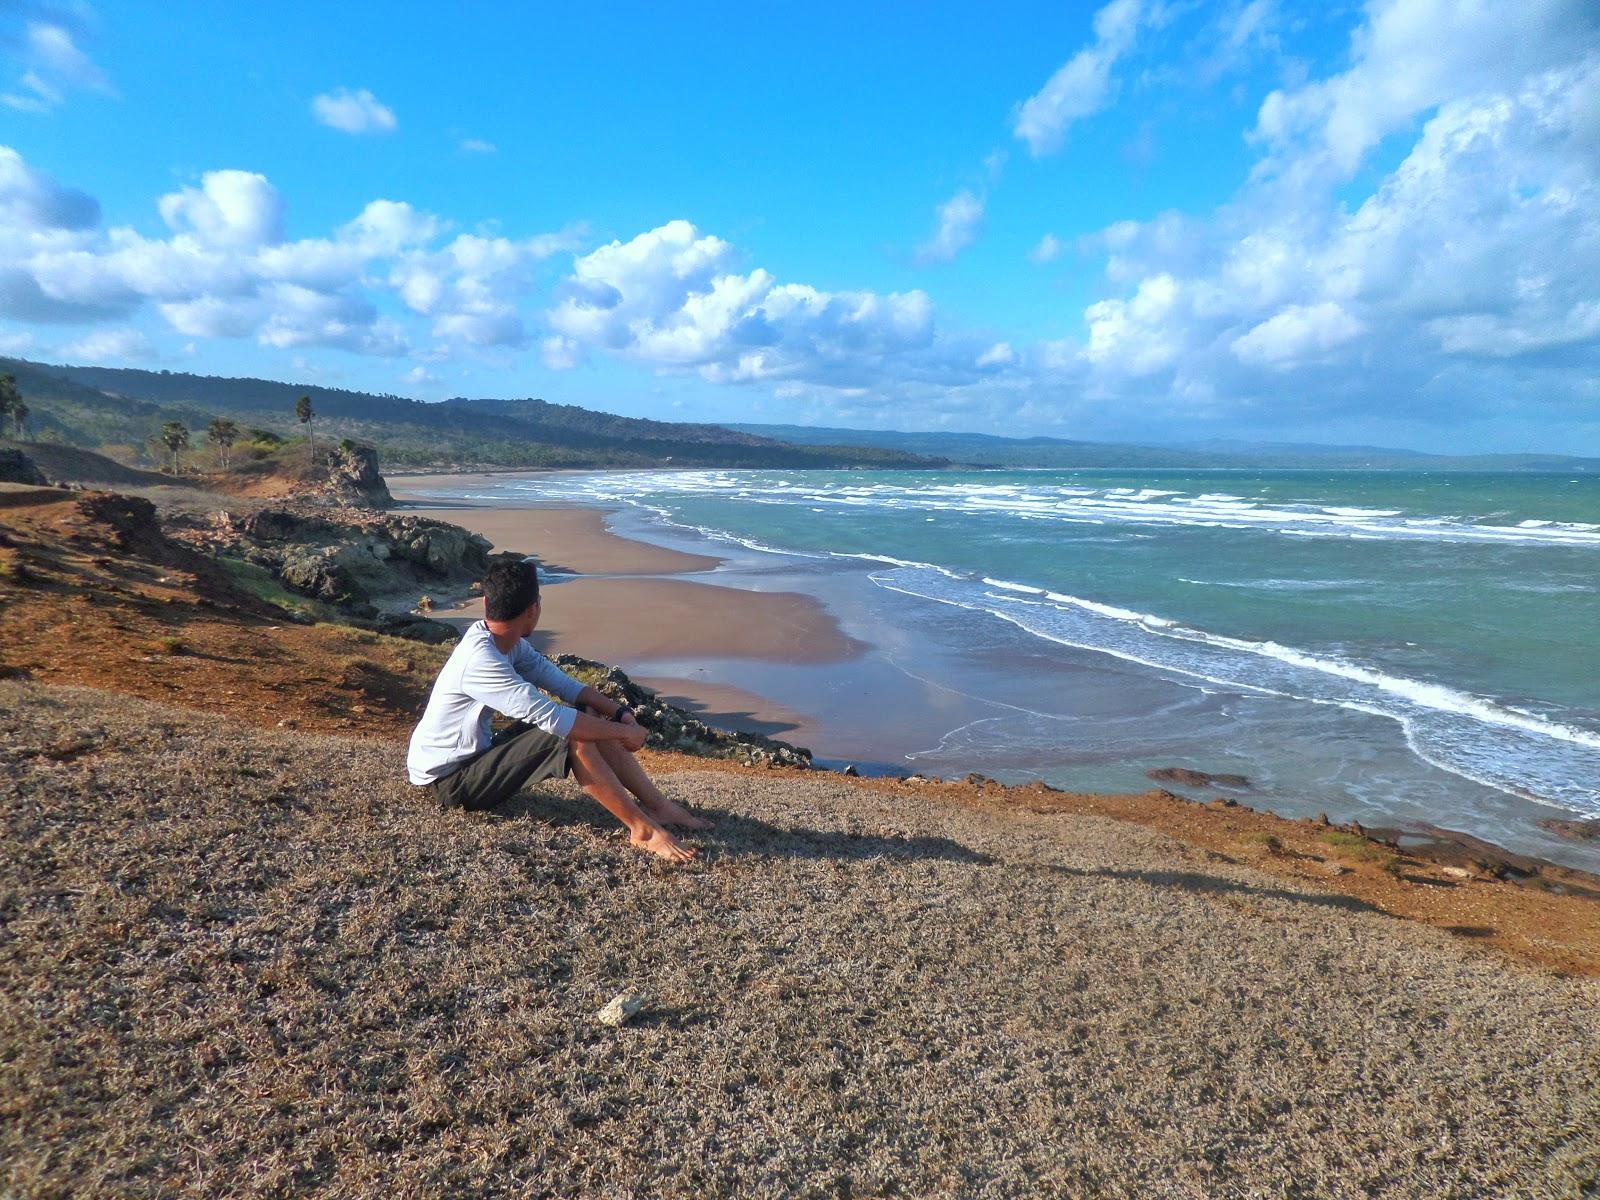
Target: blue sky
{"points": [[1149, 219]]}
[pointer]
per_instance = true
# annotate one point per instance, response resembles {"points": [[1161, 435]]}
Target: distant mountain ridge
{"points": [[991, 450], [94, 406]]}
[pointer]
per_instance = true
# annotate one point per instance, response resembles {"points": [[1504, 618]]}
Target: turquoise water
{"points": [[1462, 607]]}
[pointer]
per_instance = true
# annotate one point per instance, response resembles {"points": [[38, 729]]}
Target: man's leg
{"points": [[594, 774], [519, 755], [632, 776]]}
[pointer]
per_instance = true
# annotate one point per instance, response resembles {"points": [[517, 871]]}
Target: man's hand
{"points": [[636, 735], [625, 716]]}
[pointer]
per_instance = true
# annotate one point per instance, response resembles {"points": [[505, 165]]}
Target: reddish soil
{"points": [[92, 594]]}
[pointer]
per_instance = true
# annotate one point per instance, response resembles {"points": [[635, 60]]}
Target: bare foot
{"points": [[670, 812], [660, 842]]}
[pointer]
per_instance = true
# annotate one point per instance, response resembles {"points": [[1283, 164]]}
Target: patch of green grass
{"points": [[261, 584], [1353, 845], [172, 645]]}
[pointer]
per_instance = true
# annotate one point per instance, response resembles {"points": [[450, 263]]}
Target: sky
{"points": [[1147, 220]]}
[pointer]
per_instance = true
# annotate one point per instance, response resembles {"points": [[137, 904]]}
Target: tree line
{"points": [[223, 432]]}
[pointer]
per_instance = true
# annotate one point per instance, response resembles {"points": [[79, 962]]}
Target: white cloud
{"points": [[228, 271], [671, 299], [1464, 283], [998, 355], [353, 112], [108, 346], [1298, 332], [472, 286], [1410, 56], [53, 64], [560, 353], [478, 146], [1139, 336], [959, 219], [386, 227], [230, 208], [1047, 250], [1081, 85]]}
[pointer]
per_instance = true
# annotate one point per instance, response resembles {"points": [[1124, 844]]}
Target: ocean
{"points": [[1396, 647]]}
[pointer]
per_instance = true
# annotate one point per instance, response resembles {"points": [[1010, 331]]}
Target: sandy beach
{"points": [[625, 620], [567, 540]]}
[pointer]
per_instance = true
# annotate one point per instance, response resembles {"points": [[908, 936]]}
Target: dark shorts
{"points": [[519, 755]]}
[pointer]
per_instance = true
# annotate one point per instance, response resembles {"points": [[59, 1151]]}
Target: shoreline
{"points": [[326, 677], [914, 722], [621, 600]]}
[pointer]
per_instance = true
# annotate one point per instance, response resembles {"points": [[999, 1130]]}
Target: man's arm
{"points": [[538, 670], [615, 718]]}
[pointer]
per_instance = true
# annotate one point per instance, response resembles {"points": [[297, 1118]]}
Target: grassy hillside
{"points": [[98, 406], [260, 963]]}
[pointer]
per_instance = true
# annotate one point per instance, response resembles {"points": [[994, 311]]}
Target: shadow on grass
{"points": [[738, 836], [1190, 881]]}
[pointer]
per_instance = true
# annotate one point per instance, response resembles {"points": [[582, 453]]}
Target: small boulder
{"points": [[1188, 777], [621, 1009]]}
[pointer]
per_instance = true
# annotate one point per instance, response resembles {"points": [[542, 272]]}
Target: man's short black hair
{"points": [[510, 586]]}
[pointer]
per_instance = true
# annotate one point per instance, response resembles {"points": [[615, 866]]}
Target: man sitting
{"points": [[494, 668]]}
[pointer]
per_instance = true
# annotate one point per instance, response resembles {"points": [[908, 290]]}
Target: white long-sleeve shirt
{"points": [[477, 680]]}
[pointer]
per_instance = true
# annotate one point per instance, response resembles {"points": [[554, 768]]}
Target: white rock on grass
{"points": [[622, 1008]]}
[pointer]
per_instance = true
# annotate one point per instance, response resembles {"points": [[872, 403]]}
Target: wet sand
{"points": [[624, 621], [569, 540]]}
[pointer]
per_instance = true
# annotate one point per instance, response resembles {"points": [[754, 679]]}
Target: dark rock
{"points": [[317, 575], [1578, 831], [1189, 777], [977, 780], [17, 467], [672, 728], [355, 558], [850, 769], [275, 525]]}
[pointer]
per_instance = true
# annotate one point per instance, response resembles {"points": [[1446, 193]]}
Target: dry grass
{"points": [[243, 963]]}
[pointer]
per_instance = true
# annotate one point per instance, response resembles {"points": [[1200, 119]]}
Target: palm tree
{"points": [[303, 414], [175, 437], [10, 397], [222, 433]]}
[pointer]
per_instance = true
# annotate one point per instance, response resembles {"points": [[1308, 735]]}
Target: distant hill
{"points": [[102, 406], [989, 450]]}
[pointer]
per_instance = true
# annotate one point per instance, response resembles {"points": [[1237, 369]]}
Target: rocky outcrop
{"points": [[1187, 777], [17, 467], [353, 476], [670, 728], [358, 558]]}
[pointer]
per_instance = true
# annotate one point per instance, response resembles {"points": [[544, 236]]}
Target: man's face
{"points": [[529, 620]]}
